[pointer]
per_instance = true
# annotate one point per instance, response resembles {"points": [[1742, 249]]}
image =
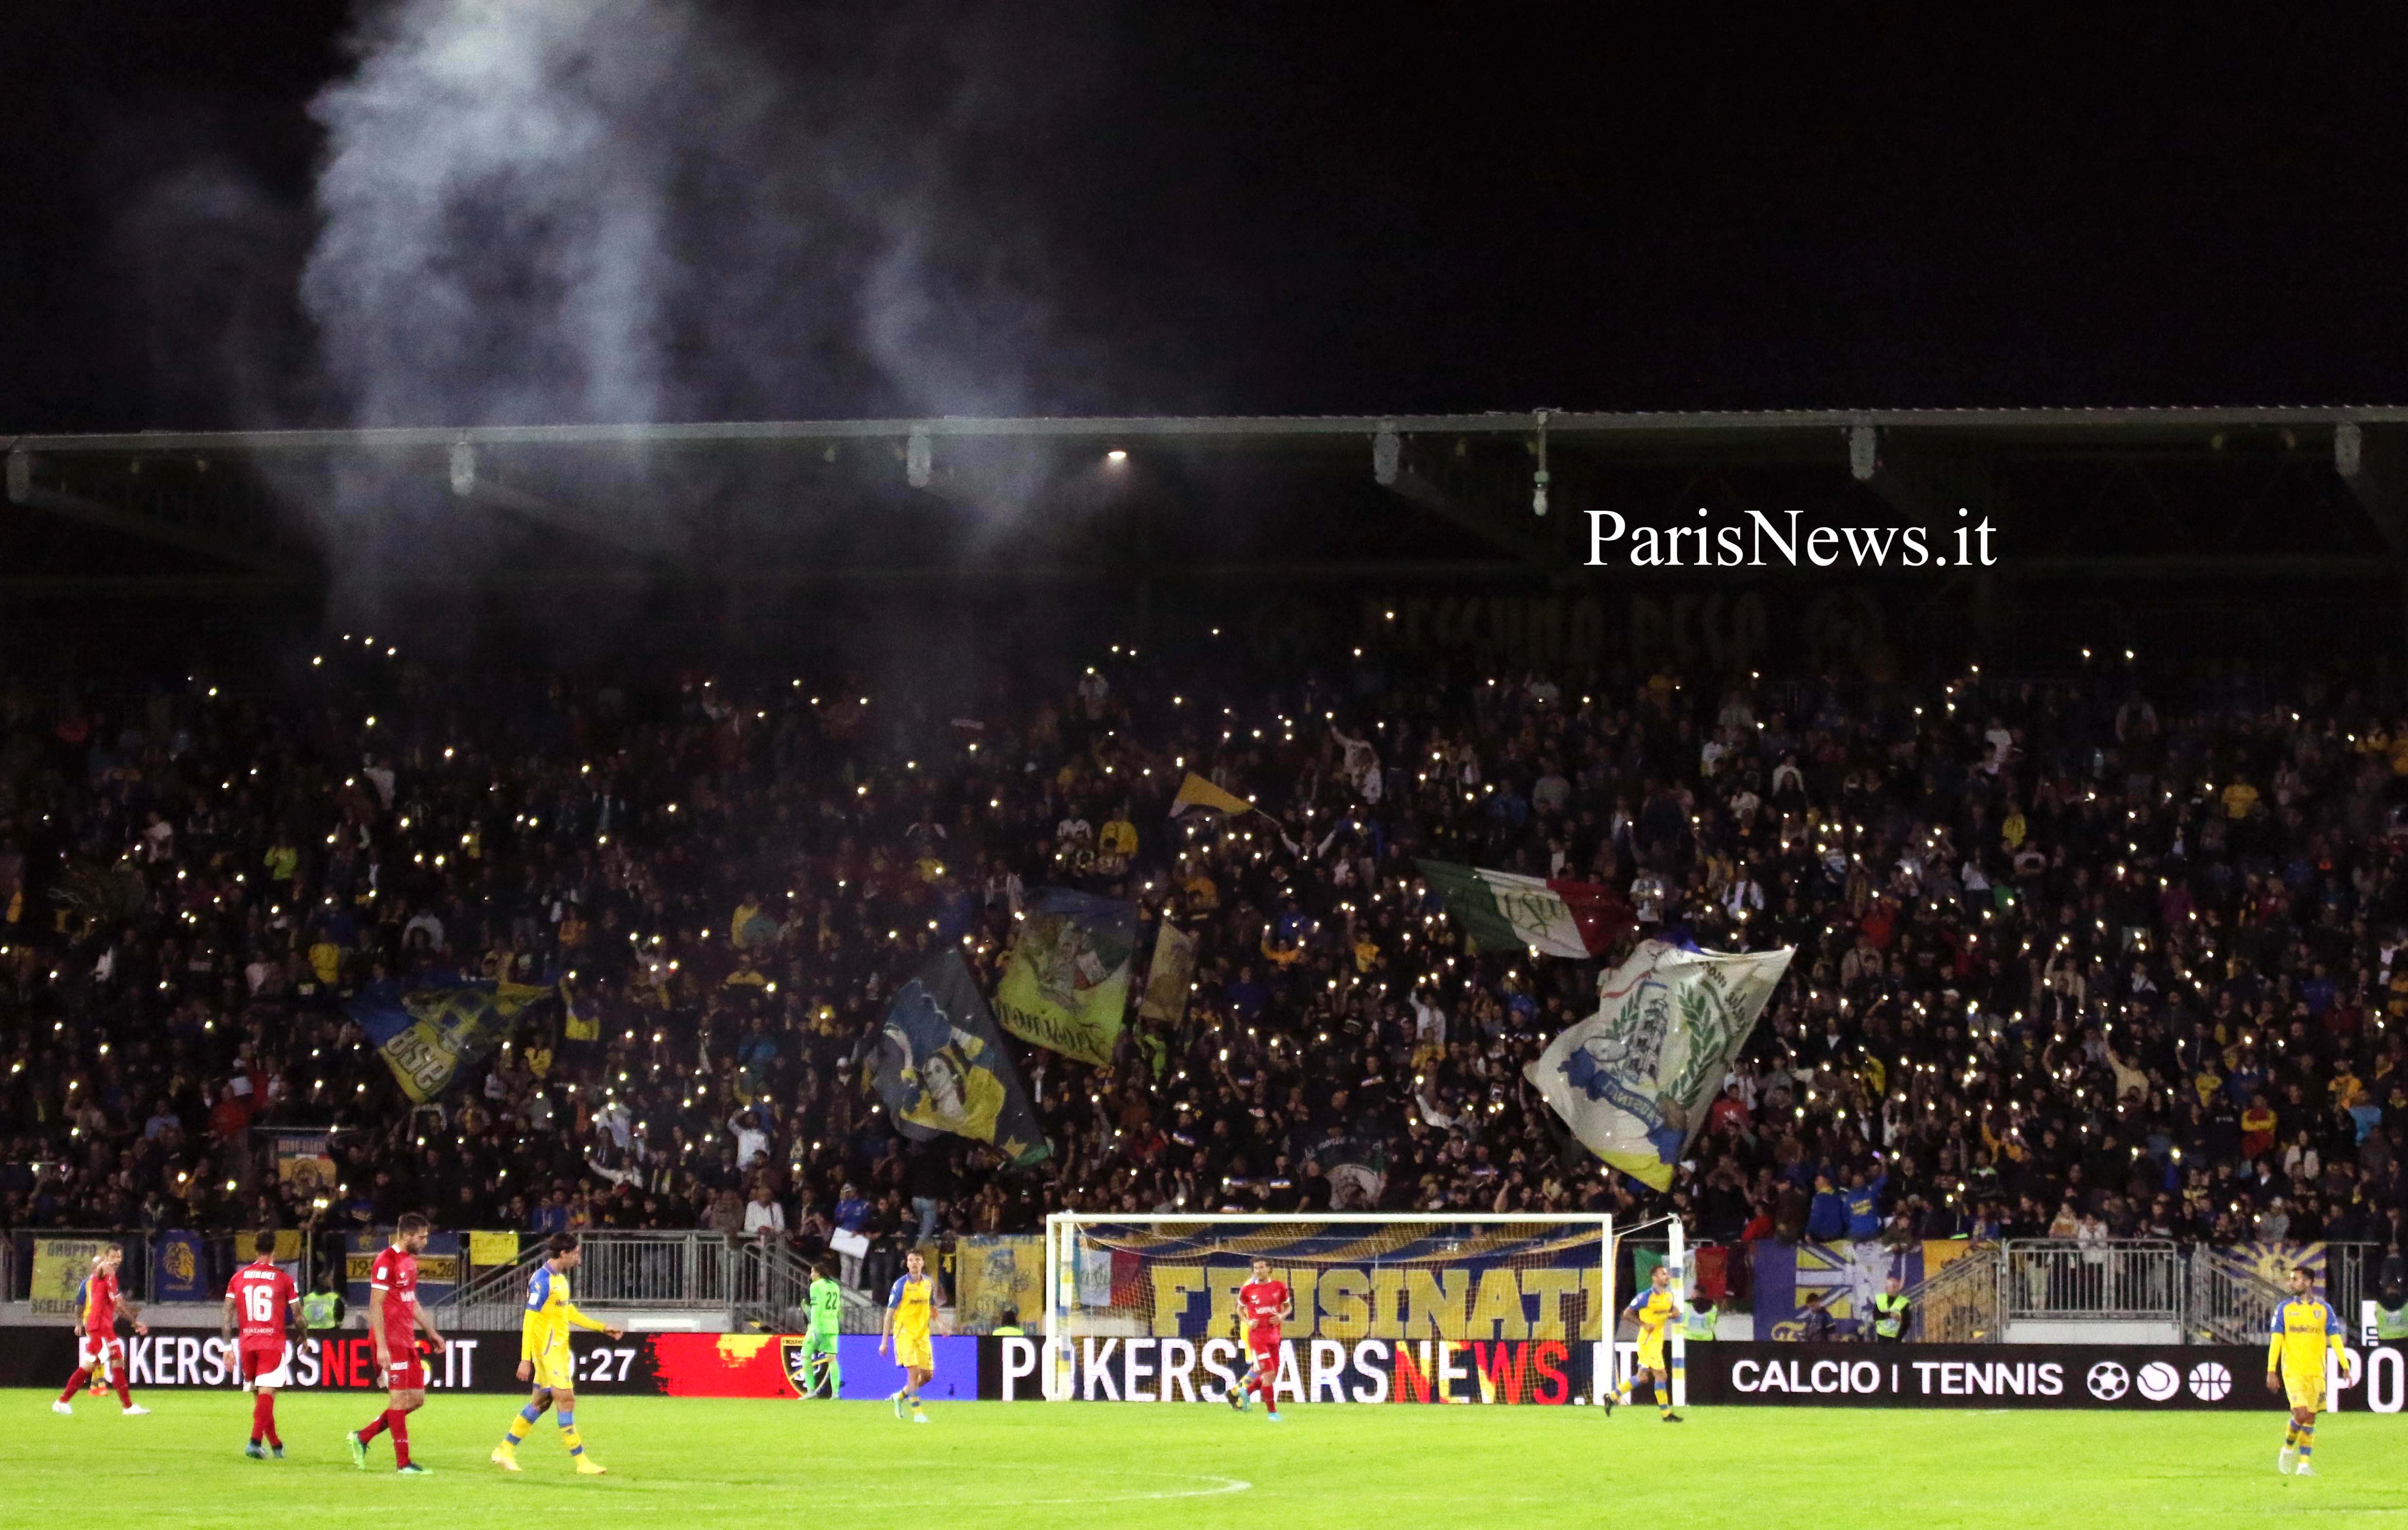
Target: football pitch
{"points": [[705, 1463]]}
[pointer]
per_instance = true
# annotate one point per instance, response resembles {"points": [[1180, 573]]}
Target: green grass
{"points": [[707, 1464]]}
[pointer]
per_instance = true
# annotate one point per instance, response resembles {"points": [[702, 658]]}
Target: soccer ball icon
{"points": [[2108, 1380], [2210, 1381], [2158, 1380]]}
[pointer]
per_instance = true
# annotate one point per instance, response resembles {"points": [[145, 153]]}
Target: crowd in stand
{"points": [[2084, 959]]}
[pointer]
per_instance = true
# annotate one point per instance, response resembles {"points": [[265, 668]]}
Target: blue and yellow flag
{"points": [[427, 1033], [942, 1065]]}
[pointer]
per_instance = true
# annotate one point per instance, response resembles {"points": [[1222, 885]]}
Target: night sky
{"points": [[1286, 209]]}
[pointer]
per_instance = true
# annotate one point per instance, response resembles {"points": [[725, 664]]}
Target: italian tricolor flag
{"points": [[1501, 910]]}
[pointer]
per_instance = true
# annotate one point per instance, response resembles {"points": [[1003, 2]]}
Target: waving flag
{"points": [[942, 1065], [1633, 1080], [1196, 791], [428, 1033], [1065, 983], [1502, 910]]}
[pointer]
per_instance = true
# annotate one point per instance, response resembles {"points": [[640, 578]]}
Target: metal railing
{"points": [[493, 1299], [2229, 1301], [2130, 1280], [1960, 1305], [2233, 1293], [696, 1272], [773, 1287]]}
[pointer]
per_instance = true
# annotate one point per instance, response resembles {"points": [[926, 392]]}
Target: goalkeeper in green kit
{"points": [[819, 1360]]}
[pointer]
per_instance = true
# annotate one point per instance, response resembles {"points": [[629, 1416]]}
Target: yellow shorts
{"points": [[555, 1368], [2305, 1391], [914, 1352], [1651, 1355]]}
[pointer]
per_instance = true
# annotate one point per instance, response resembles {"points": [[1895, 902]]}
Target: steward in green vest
{"points": [[2391, 1322], [321, 1310], [1697, 1322], [1892, 1313]]}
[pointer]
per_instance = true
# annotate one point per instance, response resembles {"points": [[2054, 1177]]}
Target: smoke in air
{"points": [[640, 210]]}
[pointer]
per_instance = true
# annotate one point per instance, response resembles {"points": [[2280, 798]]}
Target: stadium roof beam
{"points": [[1390, 472], [469, 482], [1917, 480], [2373, 460], [2374, 463], [1796, 435], [25, 492]]}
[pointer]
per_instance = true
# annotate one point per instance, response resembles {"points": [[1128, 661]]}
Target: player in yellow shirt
{"points": [[911, 1317], [1656, 1307], [544, 1356], [2302, 1329]]}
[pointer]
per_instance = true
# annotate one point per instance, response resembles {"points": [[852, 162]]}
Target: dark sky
{"points": [[1274, 208]]}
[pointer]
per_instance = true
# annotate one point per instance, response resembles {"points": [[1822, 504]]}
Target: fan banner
{"points": [[1634, 1080], [60, 1266], [1066, 984], [1848, 1276], [1171, 978]]}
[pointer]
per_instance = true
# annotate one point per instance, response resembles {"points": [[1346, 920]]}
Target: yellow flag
{"points": [[1196, 791]]}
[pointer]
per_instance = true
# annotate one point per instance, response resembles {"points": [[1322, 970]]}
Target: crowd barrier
{"points": [[1369, 1371]]}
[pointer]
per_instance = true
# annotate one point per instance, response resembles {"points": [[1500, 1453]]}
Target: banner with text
{"points": [[1065, 983], [1847, 1276]]}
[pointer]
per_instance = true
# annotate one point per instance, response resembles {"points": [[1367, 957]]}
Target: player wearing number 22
{"points": [[544, 1356], [2302, 1329], [264, 1301], [1263, 1305]]}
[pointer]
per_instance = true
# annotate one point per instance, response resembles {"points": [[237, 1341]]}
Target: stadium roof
{"points": [[1704, 430], [2284, 491]]}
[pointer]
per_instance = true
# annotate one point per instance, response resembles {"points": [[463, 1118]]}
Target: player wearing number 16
{"points": [[544, 1356], [265, 1301]]}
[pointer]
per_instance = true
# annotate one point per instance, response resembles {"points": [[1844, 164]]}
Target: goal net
{"points": [[1442, 1308]]}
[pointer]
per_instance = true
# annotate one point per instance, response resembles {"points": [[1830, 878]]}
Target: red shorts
{"points": [[408, 1370], [264, 1364], [101, 1354], [1263, 1347]]}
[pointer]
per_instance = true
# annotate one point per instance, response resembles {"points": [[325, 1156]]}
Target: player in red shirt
{"points": [[264, 1302], [393, 1315], [98, 1353], [1263, 1305]]}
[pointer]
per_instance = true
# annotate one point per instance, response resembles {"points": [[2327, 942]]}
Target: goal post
{"points": [[1438, 1306], [1676, 1259]]}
